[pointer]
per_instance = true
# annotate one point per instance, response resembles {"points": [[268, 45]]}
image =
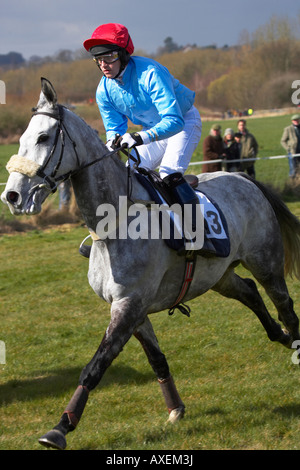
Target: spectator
{"points": [[231, 150], [249, 148], [237, 138], [290, 141], [213, 150]]}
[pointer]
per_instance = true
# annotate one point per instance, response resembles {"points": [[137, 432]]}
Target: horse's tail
{"points": [[289, 226]]}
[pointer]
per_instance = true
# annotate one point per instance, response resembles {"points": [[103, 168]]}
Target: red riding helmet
{"points": [[110, 34]]}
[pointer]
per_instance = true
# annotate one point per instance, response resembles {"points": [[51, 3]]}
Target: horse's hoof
{"points": [[286, 339], [176, 414], [54, 439]]}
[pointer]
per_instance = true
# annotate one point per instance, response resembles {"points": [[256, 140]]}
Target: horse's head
{"points": [[42, 162]]}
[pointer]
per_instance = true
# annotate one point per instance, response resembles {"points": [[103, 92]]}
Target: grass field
{"points": [[240, 390]]}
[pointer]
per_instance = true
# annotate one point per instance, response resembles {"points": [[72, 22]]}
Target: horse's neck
{"points": [[100, 183]]}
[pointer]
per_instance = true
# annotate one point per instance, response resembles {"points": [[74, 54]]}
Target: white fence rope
{"points": [[224, 160]]}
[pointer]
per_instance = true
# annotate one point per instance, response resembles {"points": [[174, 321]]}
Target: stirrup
{"points": [[85, 250]]}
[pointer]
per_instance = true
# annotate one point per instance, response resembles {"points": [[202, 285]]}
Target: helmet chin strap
{"points": [[121, 71]]}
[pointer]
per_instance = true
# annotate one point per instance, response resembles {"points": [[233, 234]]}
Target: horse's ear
{"points": [[47, 93]]}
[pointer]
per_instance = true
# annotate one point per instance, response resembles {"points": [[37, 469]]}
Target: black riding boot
{"points": [[182, 193]]}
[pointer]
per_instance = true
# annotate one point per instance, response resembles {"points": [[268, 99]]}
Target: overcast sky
{"points": [[43, 27]]}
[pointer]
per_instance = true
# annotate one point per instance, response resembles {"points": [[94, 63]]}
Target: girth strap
{"points": [[190, 264]]}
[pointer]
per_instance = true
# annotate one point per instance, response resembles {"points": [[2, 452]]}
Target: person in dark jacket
{"points": [[249, 149], [231, 150], [290, 141], [213, 150]]}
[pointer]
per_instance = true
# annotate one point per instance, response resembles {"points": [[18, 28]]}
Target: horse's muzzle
{"points": [[30, 204]]}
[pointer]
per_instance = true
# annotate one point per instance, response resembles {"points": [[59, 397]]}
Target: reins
{"points": [[122, 149]]}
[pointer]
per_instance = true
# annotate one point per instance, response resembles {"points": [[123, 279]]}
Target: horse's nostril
{"points": [[12, 197]]}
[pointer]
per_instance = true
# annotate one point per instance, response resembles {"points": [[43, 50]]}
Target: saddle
{"points": [[215, 228], [159, 185]]}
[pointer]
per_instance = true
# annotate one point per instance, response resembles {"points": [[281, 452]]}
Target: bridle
{"points": [[61, 129], [52, 181]]}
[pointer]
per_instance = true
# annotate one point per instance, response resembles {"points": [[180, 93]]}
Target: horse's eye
{"points": [[42, 138]]}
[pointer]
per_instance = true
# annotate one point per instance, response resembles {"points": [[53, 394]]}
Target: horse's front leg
{"points": [[125, 317], [158, 362]]}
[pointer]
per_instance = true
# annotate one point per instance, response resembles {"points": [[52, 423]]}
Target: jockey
{"points": [[143, 91]]}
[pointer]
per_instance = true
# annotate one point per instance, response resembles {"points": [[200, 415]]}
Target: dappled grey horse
{"points": [[138, 277]]}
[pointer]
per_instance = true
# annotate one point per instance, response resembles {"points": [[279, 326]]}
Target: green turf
{"points": [[240, 390]]}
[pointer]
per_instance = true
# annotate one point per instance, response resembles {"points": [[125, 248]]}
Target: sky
{"points": [[44, 27]]}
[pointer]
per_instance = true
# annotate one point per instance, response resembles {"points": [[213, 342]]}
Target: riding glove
{"points": [[113, 144], [128, 140], [131, 140]]}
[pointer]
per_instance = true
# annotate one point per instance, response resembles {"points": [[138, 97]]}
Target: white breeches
{"points": [[173, 154]]}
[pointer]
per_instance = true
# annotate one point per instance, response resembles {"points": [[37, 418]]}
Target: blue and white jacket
{"points": [[148, 95]]}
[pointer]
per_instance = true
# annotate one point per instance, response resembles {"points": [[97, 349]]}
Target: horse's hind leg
{"points": [[158, 362], [233, 286], [277, 291], [270, 274]]}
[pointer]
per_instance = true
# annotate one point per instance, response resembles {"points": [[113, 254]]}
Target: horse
{"points": [[142, 276]]}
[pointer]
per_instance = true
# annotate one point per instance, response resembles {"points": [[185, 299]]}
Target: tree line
{"points": [[257, 73]]}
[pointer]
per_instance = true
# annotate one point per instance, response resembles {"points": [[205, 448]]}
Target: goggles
{"points": [[107, 58]]}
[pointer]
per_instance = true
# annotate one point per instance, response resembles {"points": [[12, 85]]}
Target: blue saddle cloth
{"points": [[215, 223]]}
